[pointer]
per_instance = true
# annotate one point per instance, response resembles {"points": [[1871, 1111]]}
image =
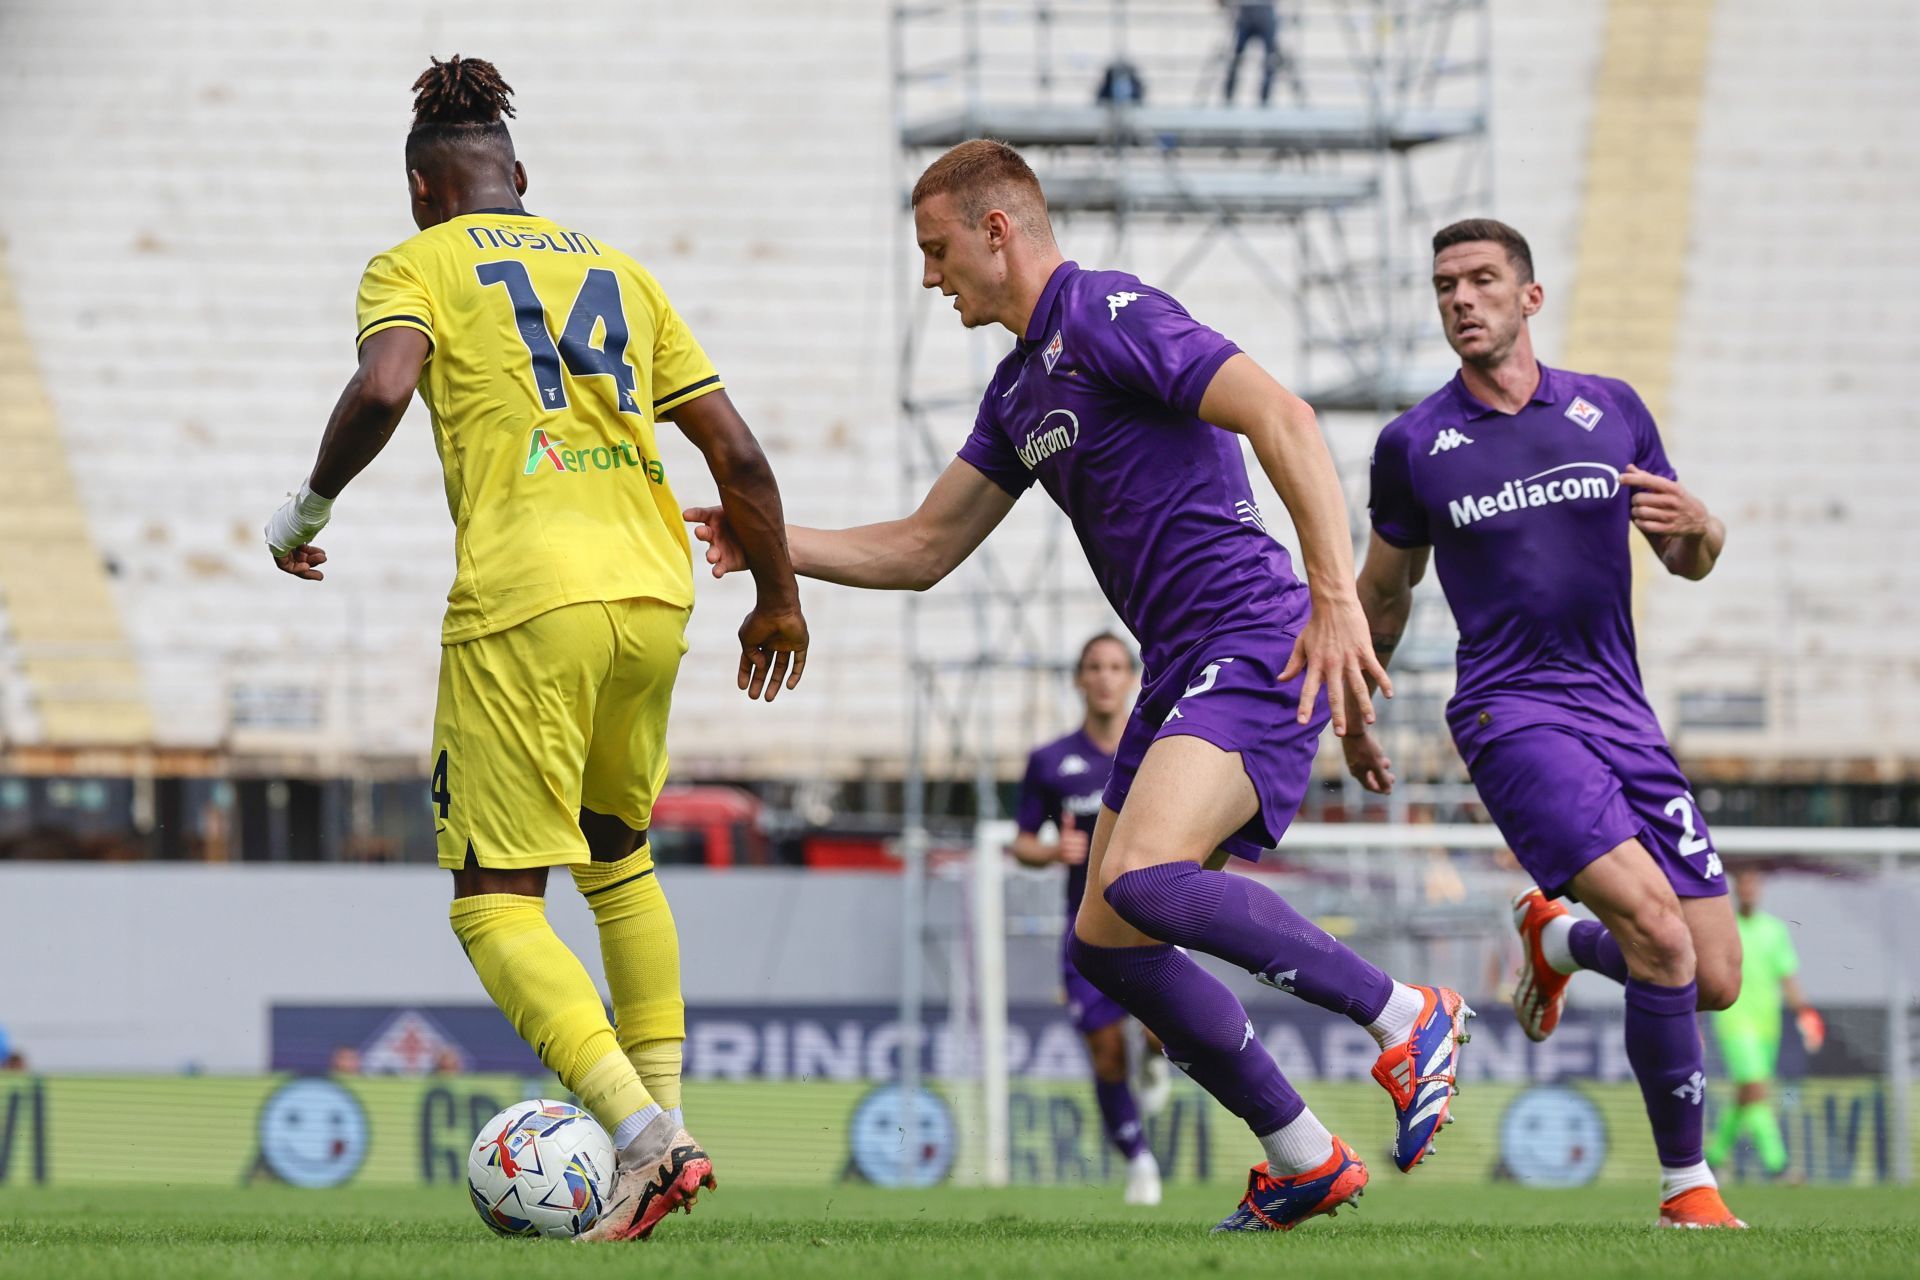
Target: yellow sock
{"points": [[659, 1066], [546, 994], [640, 950]]}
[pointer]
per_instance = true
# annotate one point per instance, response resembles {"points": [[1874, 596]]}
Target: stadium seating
{"points": [[184, 229]]}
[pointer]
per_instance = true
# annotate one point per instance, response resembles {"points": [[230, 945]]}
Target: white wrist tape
{"points": [[299, 518]]}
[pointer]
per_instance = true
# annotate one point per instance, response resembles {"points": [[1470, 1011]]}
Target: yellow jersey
{"points": [[551, 357]]}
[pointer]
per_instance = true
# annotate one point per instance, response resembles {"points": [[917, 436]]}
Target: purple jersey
{"points": [[1066, 776], [1530, 529], [1099, 403]]}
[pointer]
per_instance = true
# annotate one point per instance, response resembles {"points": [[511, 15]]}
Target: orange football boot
{"points": [[1541, 991]]}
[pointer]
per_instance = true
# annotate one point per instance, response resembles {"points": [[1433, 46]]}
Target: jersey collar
{"points": [[1474, 407], [1040, 326]]}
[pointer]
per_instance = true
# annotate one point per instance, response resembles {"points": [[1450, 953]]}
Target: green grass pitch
{"points": [[868, 1234]]}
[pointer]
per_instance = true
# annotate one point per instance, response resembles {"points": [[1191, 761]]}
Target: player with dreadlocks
{"points": [[545, 358]]}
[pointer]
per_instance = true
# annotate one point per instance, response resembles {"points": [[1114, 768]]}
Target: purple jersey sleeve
{"points": [[1648, 453], [991, 454], [1148, 344], [1397, 514], [1036, 805]]}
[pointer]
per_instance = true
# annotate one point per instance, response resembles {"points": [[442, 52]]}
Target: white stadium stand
{"points": [[186, 221]]}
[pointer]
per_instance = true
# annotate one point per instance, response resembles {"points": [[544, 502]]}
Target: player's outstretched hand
{"points": [[723, 553], [1335, 649], [303, 561], [1367, 762], [773, 649], [1073, 842], [1812, 1028], [1664, 506]]}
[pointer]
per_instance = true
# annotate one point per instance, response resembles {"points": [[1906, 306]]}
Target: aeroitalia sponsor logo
{"points": [[544, 450], [1569, 482]]}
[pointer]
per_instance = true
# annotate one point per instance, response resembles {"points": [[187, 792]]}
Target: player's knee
{"points": [[1719, 986], [1654, 936], [1119, 858]]}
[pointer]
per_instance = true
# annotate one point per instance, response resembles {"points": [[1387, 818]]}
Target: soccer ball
{"points": [[540, 1168]]}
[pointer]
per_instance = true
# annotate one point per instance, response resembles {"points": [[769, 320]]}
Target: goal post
{"points": [[1384, 860]]}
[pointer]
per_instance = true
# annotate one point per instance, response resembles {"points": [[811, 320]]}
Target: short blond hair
{"points": [[986, 174]]}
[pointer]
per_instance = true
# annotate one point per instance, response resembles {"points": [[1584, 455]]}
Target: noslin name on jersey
{"points": [[1584, 415], [1590, 480], [1451, 438], [1115, 301], [1060, 429]]}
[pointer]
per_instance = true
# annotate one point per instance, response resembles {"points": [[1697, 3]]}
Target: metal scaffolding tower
{"points": [[1319, 200]]}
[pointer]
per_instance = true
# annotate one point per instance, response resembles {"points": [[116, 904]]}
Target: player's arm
{"points": [[775, 633], [1334, 648], [1070, 849], [1806, 1019], [1387, 578], [1684, 534], [363, 421], [909, 554]]}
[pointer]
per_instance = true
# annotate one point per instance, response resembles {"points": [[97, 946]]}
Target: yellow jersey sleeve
{"points": [[681, 370], [393, 296]]}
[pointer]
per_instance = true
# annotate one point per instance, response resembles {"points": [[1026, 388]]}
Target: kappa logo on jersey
{"points": [[1694, 1090], [544, 450], [1115, 301], [1051, 356], [1060, 429], [1451, 438], [1584, 415], [1072, 765], [1591, 480]]}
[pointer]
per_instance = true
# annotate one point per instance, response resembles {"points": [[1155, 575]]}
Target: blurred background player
{"points": [[1524, 482], [1748, 1030], [1125, 409], [1063, 784], [545, 358]]}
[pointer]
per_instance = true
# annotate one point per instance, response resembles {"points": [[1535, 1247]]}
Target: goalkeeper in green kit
{"points": [[1748, 1031]]}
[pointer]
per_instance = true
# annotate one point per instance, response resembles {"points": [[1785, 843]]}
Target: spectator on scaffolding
{"points": [[1254, 22], [1121, 86]]}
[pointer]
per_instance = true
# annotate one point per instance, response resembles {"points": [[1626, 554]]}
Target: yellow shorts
{"points": [[566, 711]]}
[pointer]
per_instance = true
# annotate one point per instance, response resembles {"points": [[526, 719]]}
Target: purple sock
{"points": [[1663, 1045], [1202, 1024], [1250, 925], [1119, 1116], [1594, 948]]}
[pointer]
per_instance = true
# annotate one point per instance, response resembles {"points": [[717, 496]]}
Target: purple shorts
{"points": [[1088, 1006], [1562, 798], [1232, 697]]}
